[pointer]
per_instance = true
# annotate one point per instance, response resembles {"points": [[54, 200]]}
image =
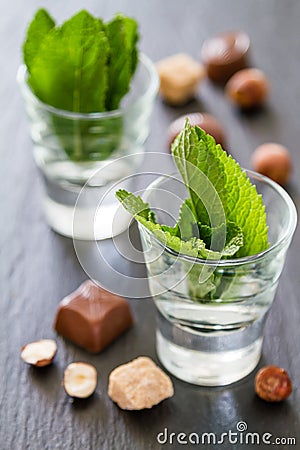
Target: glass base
{"points": [[91, 212], [208, 359], [85, 223]]}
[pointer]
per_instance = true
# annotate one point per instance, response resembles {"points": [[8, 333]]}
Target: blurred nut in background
{"points": [[248, 88], [225, 54], [207, 122], [179, 78], [139, 384], [274, 161]]}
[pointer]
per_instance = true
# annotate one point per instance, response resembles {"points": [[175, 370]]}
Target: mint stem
{"points": [[77, 141]]}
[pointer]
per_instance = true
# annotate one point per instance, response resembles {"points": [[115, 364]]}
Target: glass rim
{"points": [[150, 92], [288, 233]]}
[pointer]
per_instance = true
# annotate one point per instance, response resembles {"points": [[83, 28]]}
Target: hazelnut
{"points": [[248, 88], [274, 161], [203, 120], [80, 380], [40, 353], [273, 384]]}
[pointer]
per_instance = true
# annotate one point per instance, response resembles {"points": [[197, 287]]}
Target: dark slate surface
{"points": [[38, 267]]}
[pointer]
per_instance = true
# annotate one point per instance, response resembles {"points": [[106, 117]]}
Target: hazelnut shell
{"points": [[248, 88], [273, 384]]}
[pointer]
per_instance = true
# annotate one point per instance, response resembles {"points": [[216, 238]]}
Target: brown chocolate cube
{"points": [[92, 317]]}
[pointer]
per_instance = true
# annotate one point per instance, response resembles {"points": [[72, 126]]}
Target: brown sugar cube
{"points": [[92, 317], [179, 77], [139, 384]]}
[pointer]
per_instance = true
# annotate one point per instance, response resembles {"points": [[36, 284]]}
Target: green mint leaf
{"points": [[206, 232], [40, 26], [122, 35], [214, 238], [187, 222], [131, 37], [224, 240], [201, 282], [234, 239], [135, 205], [202, 174], [169, 239], [174, 231], [245, 207], [69, 70], [168, 236], [220, 190]]}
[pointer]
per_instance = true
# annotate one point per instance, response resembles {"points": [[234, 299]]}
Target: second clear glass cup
{"points": [[73, 150], [211, 315]]}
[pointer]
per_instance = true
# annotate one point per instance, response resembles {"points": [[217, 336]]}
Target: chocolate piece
{"points": [[179, 78], [205, 121], [92, 317], [225, 54]]}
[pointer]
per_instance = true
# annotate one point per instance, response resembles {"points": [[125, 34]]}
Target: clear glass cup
{"points": [[210, 315], [74, 150]]}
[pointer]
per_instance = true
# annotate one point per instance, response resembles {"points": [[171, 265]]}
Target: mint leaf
{"points": [[225, 240], [122, 36], [82, 66], [214, 238], [245, 207], [168, 236], [204, 281], [220, 190], [69, 70], [201, 281], [202, 174], [135, 205], [40, 26], [187, 222], [223, 217], [234, 239]]}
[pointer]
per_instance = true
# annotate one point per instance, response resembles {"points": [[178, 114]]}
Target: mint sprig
{"points": [[83, 65], [171, 236], [220, 191], [224, 216], [69, 70]]}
